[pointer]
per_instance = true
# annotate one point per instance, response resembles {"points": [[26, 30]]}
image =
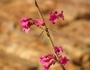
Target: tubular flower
{"points": [[26, 24], [61, 15], [63, 60], [55, 16], [50, 59], [47, 61], [39, 22], [58, 50]]}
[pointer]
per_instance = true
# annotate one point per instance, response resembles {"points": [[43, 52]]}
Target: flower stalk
{"points": [[47, 31], [52, 58]]}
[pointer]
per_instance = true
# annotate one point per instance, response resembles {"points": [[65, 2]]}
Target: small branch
{"points": [[41, 34]]}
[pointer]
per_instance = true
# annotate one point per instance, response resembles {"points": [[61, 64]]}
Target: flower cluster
{"points": [[28, 22], [51, 59], [55, 16]]}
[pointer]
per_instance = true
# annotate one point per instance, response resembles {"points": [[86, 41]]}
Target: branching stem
{"points": [[47, 31]]}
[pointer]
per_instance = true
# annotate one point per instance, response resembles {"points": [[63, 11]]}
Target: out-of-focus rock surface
{"points": [[21, 51]]}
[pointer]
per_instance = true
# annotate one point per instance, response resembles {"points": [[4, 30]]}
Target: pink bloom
{"points": [[55, 16], [26, 24], [39, 22], [63, 60], [58, 50], [61, 15], [26, 29], [48, 60]]}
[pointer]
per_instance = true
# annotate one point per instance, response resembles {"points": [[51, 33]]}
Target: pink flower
{"points": [[63, 60], [58, 50], [26, 29], [55, 16], [26, 24], [48, 60], [61, 15], [39, 22]]}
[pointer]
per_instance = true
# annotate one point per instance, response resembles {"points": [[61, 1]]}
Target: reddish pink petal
{"points": [[47, 61], [39, 22], [61, 15], [63, 60], [55, 16], [26, 24], [58, 50]]}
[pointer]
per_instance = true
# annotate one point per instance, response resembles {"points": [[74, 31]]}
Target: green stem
{"points": [[47, 31]]}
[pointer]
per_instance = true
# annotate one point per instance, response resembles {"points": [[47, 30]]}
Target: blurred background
{"points": [[21, 51]]}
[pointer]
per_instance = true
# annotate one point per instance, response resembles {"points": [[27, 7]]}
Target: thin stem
{"points": [[46, 29], [40, 14], [48, 34], [41, 34]]}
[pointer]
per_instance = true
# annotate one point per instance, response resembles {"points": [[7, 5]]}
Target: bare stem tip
{"points": [[36, 3]]}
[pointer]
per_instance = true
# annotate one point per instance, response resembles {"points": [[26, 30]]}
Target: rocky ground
{"points": [[21, 51]]}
